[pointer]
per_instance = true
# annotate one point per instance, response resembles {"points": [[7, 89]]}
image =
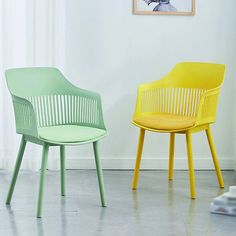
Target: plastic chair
{"points": [[183, 102], [50, 111]]}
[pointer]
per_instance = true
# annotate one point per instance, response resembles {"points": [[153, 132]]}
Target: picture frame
{"points": [[164, 7]]}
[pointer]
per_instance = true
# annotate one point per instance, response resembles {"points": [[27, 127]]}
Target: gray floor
{"points": [[156, 208]]}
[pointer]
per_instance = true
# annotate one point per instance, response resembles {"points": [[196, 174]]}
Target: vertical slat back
{"points": [[176, 101], [65, 109]]}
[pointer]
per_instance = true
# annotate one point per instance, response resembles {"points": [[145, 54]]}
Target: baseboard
{"points": [[125, 163], [148, 163]]}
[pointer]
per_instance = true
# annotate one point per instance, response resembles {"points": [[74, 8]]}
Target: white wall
{"points": [[111, 51]]}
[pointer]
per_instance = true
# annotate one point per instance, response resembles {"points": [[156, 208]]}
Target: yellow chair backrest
{"points": [[190, 89]]}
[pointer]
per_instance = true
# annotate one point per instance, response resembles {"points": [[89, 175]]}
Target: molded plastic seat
{"points": [[70, 134], [183, 102], [50, 111], [165, 121]]}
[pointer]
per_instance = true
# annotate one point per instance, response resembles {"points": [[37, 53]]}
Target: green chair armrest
{"points": [[76, 91], [96, 96], [25, 118]]}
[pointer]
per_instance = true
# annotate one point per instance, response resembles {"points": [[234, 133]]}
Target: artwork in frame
{"points": [[164, 7]]}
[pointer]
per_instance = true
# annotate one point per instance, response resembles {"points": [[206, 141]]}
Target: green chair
{"points": [[50, 111]]}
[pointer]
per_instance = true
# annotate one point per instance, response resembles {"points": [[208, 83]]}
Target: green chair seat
{"points": [[70, 134]]}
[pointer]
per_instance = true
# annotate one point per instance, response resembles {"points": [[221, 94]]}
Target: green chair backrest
{"points": [[37, 81], [54, 99]]}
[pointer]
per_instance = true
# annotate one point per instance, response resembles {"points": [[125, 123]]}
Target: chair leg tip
{"points": [[39, 214], [134, 186], [221, 184]]}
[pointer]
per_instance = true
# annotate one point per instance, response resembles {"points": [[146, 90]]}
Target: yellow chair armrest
{"points": [[207, 107]]}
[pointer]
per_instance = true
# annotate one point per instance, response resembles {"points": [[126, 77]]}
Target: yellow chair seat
{"points": [[165, 121]]}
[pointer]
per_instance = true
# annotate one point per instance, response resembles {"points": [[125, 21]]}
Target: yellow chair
{"points": [[183, 102]]}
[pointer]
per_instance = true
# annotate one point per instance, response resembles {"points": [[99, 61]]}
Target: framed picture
{"points": [[164, 7]]}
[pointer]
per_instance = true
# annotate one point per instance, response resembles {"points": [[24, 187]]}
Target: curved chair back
{"points": [[190, 89], [54, 100]]}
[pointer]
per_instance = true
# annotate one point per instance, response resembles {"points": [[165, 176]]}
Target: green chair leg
{"points": [[62, 161], [42, 179], [99, 174], [16, 170]]}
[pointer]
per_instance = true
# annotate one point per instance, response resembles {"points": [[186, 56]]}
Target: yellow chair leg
{"points": [[138, 158], [214, 157], [190, 164], [171, 156]]}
